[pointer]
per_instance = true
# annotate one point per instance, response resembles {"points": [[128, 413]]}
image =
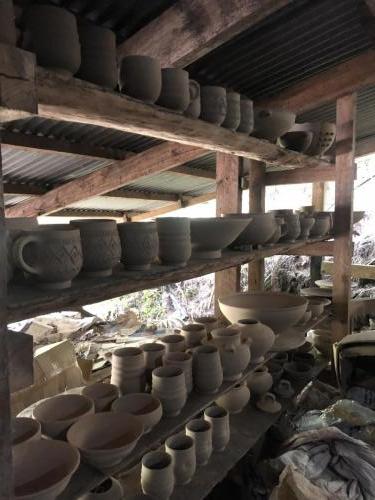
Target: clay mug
{"points": [[306, 225], [174, 240], [194, 334], [174, 89], [246, 125], [233, 115], [213, 104], [140, 77], [194, 108], [139, 244], [219, 420], [183, 360], [182, 450], [157, 477], [169, 386], [201, 432], [173, 343], [153, 353], [207, 369]]}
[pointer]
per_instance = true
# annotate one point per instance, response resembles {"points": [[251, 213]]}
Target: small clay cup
{"points": [[174, 89], [169, 386], [246, 125], [201, 432], [139, 244], [157, 476], [233, 115], [213, 104], [194, 334], [182, 450], [174, 240], [219, 420], [194, 108], [140, 77], [173, 343], [209, 322]]}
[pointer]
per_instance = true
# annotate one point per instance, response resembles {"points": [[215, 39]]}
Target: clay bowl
{"points": [[43, 468], [58, 413], [102, 394], [24, 430], [296, 140], [259, 229], [272, 123], [317, 305], [145, 407], [277, 310], [105, 439], [298, 371], [211, 235]]}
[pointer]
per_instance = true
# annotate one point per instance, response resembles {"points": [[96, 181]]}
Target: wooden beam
{"points": [[357, 271], [257, 204], [195, 172], [365, 146], [189, 30], [321, 249], [300, 176], [317, 200]]}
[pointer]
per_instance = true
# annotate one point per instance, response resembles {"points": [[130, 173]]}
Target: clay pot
{"points": [[321, 225], [24, 430], [100, 246], [109, 489], [260, 381], [144, 407], [234, 355], [209, 322], [174, 240], [235, 400], [246, 125], [182, 450], [276, 370], [279, 231], [258, 231], [317, 305], [183, 360], [293, 225], [261, 336], [213, 104], [194, 108], [128, 370], [139, 244], [43, 469], [308, 210], [153, 354], [272, 123], [322, 341], [226, 337], [268, 403], [194, 334], [201, 432], [298, 371], [105, 439], [98, 55], [140, 77], [157, 476], [102, 394], [169, 386], [306, 225], [219, 420], [207, 369], [233, 116], [58, 413], [173, 343], [51, 32], [174, 89], [284, 389], [8, 33]]}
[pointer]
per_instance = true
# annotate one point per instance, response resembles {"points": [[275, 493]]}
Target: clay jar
{"points": [[322, 225], [201, 432], [100, 246], [233, 116], [183, 360], [235, 400], [194, 334], [102, 394], [182, 450], [139, 244], [157, 476], [194, 108], [209, 322], [306, 225], [234, 355], [169, 386], [143, 406], [246, 125], [260, 381], [110, 489], [8, 34], [174, 89], [140, 77], [207, 369], [128, 370], [173, 343], [213, 104], [51, 253], [51, 32], [261, 336], [174, 240], [219, 420], [153, 354]]}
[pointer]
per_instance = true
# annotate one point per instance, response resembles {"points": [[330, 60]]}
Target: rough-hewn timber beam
{"points": [[90, 212], [358, 271], [319, 249], [195, 172], [300, 175]]}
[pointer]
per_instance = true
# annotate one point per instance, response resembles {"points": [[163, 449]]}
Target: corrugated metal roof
{"points": [[121, 204], [13, 199], [169, 182]]}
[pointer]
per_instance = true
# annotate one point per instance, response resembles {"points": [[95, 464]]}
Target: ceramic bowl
{"points": [[102, 394], [105, 439], [258, 231], [317, 305], [24, 430], [145, 407], [272, 123]]}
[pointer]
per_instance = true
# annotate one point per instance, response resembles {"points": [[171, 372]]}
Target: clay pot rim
{"points": [[198, 425], [153, 459], [153, 347], [319, 301], [44, 405], [216, 412], [186, 442], [173, 338], [28, 432], [225, 332], [167, 372], [192, 327], [207, 349], [149, 401], [261, 369], [100, 390], [205, 319], [128, 352], [248, 321]]}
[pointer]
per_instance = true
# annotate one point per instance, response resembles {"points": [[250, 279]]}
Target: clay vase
{"points": [[261, 336], [234, 355], [246, 125], [8, 34], [213, 104], [51, 253], [194, 108], [100, 246], [24, 430], [219, 420], [98, 55], [260, 381], [174, 89], [139, 244], [51, 32], [235, 400], [174, 240], [194, 334], [233, 115], [182, 450], [322, 225], [153, 354], [201, 432], [306, 225], [207, 369], [173, 343], [272, 123], [140, 77], [296, 140], [169, 386], [183, 360], [128, 370], [157, 475], [209, 322], [102, 394], [109, 489]]}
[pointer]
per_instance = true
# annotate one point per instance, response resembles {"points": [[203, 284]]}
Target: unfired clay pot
{"points": [[272, 123], [260, 381], [306, 225], [139, 244], [140, 77], [233, 116], [153, 354], [279, 231], [234, 355], [173, 343], [183, 360], [200, 431], [102, 394], [209, 322], [194, 334], [194, 108], [157, 475], [293, 225], [261, 336], [109, 489], [174, 89], [321, 226], [317, 305], [235, 400], [207, 369], [258, 231], [219, 420], [8, 34], [284, 389], [24, 430], [169, 386], [128, 370], [182, 450], [246, 125], [174, 240], [145, 407], [296, 140], [213, 104]]}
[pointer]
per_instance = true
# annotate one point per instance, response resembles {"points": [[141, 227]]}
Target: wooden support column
{"points": [[345, 151], [257, 191], [318, 202]]}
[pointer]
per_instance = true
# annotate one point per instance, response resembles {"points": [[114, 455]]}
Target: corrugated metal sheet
{"points": [[168, 182], [13, 199], [121, 204]]}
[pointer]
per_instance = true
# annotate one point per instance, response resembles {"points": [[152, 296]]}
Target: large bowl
{"points": [[24, 430], [272, 123], [145, 407], [258, 231], [210, 236], [277, 310]]}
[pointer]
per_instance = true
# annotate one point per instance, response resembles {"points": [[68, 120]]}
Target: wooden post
{"points": [[318, 191], [345, 151], [257, 193]]}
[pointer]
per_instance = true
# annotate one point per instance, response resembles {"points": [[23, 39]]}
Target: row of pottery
{"points": [[311, 138]]}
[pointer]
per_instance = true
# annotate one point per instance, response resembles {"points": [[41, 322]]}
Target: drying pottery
{"points": [[128, 370], [51, 32], [102, 394], [298, 371], [284, 389], [8, 34], [207, 369], [234, 355], [322, 224], [289, 339], [153, 354], [304, 357], [317, 305], [261, 336], [209, 322], [219, 420], [306, 225], [174, 240], [24, 430], [157, 476], [201, 432], [322, 341], [109, 489], [306, 317], [182, 450], [268, 403], [226, 337], [173, 343], [322, 136], [276, 370], [326, 284], [194, 108], [213, 104], [279, 231], [246, 125], [235, 400], [43, 469], [139, 244], [183, 360], [144, 407], [308, 210], [272, 123], [15, 227], [174, 89], [169, 386], [316, 292], [293, 225], [58, 413], [140, 77], [105, 439], [194, 334], [100, 246], [296, 140], [209, 236], [275, 309], [258, 231], [260, 381], [233, 115]]}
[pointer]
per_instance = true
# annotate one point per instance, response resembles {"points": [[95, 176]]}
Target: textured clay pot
{"points": [[153, 354], [43, 469], [174, 89], [209, 322], [296, 140], [246, 125], [169, 386], [321, 226], [51, 253], [183, 360], [128, 370], [268, 403], [272, 123], [233, 116], [207, 369], [109, 489], [235, 400], [173, 343], [102, 394], [306, 225], [182, 450], [105, 439], [174, 240], [293, 225], [145, 407], [100, 246], [260, 381], [201, 432], [219, 420], [157, 475], [140, 77], [139, 244], [24, 430], [194, 108], [261, 336], [258, 231], [194, 334], [8, 34], [51, 32], [213, 104]]}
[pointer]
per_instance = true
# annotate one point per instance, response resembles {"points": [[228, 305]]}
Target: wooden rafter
{"points": [[300, 175], [195, 172]]}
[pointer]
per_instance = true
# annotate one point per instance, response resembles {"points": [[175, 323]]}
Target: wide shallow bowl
{"points": [[24, 430], [43, 468], [102, 394], [258, 231], [145, 407]]}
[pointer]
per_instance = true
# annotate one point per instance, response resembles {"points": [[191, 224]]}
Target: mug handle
{"points": [[17, 251], [194, 90]]}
